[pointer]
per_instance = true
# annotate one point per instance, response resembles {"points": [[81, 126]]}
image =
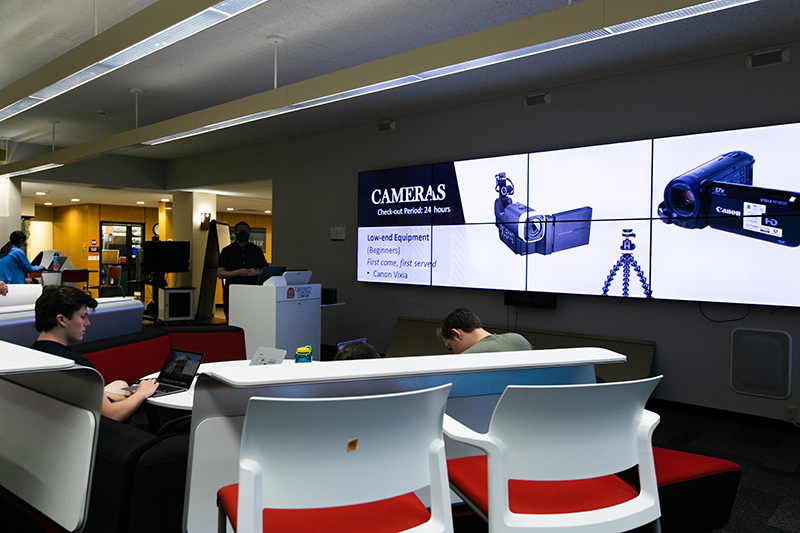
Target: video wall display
{"points": [[708, 217]]}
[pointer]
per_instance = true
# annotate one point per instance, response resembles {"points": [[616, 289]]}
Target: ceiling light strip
{"points": [[48, 166], [186, 28], [572, 40], [678, 14]]}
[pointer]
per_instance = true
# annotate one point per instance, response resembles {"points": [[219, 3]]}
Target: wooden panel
{"points": [[122, 213], [417, 336]]}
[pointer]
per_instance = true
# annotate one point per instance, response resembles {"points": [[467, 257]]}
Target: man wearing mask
{"points": [[240, 262]]}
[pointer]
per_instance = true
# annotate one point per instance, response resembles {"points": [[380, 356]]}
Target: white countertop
{"points": [[246, 376], [14, 359]]}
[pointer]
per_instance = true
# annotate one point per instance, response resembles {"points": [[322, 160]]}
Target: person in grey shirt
{"points": [[462, 332]]}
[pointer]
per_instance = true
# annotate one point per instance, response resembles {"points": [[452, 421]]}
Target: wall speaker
{"points": [[761, 363], [767, 58], [533, 100], [387, 125]]}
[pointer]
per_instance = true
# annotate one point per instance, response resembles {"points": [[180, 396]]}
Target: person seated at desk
{"points": [[356, 350], [240, 262], [462, 332], [14, 265], [61, 318]]}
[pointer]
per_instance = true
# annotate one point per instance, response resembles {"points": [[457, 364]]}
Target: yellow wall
{"points": [[75, 226]]}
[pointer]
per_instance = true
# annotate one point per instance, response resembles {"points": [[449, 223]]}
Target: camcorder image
{"points": [[720, 193], [527, 232]]}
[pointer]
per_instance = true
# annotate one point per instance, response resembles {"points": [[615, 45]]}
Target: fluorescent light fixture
{"points": [[647, 22], [186, 28], [166, 200], [48, 166], [48, 203], [40, 193], [75, 200], [139, 202]]}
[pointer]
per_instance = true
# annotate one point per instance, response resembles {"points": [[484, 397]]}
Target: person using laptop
{"points": [[14, 264], [240, 262], [61, 318]]}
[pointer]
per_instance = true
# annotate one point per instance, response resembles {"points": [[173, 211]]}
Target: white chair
{"points": [[560, 446], [341, 464]]}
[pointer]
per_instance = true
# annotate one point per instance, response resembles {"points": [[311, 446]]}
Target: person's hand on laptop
{"points": [[146, 387]]}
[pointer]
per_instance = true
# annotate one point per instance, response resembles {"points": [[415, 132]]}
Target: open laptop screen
{"points": [[180, 368]]}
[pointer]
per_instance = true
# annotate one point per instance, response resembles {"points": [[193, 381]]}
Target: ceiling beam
{"points": [[545, 27]]}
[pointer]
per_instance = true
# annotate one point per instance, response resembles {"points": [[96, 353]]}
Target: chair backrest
{"points": [[561, 432], [331, 452], [78, 275], [114, 273]]}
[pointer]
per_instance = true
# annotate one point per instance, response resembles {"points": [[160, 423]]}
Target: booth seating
{"points": [[112, 317], [697, 492], [139, 477]]}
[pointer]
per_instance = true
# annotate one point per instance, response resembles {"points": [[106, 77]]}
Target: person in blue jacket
{"points": [[14, 265]]}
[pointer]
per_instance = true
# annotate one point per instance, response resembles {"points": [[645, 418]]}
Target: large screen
{"points": [[707, 217]]}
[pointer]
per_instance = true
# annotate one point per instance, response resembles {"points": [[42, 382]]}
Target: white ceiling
{"points": [[233, 60]]}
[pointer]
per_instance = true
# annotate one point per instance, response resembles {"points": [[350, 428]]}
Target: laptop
{"points": [[177, 374], [270, 271]]}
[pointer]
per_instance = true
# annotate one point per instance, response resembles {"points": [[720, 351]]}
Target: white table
{"points": [[183, 400], [15, 359], [221, 395]]}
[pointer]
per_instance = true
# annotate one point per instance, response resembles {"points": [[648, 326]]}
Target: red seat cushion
{"points": [[469, 475], [131, 361], [216, 345], [676, 467], [384, 516]]}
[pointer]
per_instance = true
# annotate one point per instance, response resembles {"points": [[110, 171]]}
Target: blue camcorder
{"points": [[527, 232], [720, 193]]}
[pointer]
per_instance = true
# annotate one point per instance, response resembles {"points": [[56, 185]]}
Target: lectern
{"points": [[281, 313]]}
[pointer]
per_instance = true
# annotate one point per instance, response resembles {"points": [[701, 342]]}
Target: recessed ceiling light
{"points": [[40, 193], [268, 212], [167, 208], [140, 202], [230, 209], [75, 200], [166, 200], [48, 203]]}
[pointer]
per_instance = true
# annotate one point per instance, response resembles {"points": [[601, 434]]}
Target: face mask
{"points": [[243, 236]]}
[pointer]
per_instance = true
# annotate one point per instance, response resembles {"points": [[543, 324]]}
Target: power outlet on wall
{"points": [[790, 414]]}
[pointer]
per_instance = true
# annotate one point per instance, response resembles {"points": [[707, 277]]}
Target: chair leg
{"points": [[222, 518], [652, 527]]}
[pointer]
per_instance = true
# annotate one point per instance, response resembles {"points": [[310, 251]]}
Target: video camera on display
{"points": [[525, 231], [720, 193]]}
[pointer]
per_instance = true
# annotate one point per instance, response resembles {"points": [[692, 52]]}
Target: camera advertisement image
{"points": [[726, 208], [704, 217]]}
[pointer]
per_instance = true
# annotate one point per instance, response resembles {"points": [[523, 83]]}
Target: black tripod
{"points": [[626, 260]]}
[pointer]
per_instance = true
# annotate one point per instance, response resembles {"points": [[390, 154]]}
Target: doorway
{"points": [[121, 244]]}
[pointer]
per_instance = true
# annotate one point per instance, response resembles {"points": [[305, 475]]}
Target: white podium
{"points": [[277, 315]]}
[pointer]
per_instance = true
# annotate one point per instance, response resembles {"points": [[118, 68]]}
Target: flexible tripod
{"points": [[626, 261]]}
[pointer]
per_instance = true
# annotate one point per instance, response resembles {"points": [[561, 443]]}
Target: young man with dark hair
{"points": [[240, 262], [462, 332], [62, 316]]}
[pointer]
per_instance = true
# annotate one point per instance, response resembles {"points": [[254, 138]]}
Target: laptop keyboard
{"points": [[163, 389]]}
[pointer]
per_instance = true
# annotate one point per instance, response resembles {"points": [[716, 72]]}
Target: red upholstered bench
{"points": [[696, 492]]}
